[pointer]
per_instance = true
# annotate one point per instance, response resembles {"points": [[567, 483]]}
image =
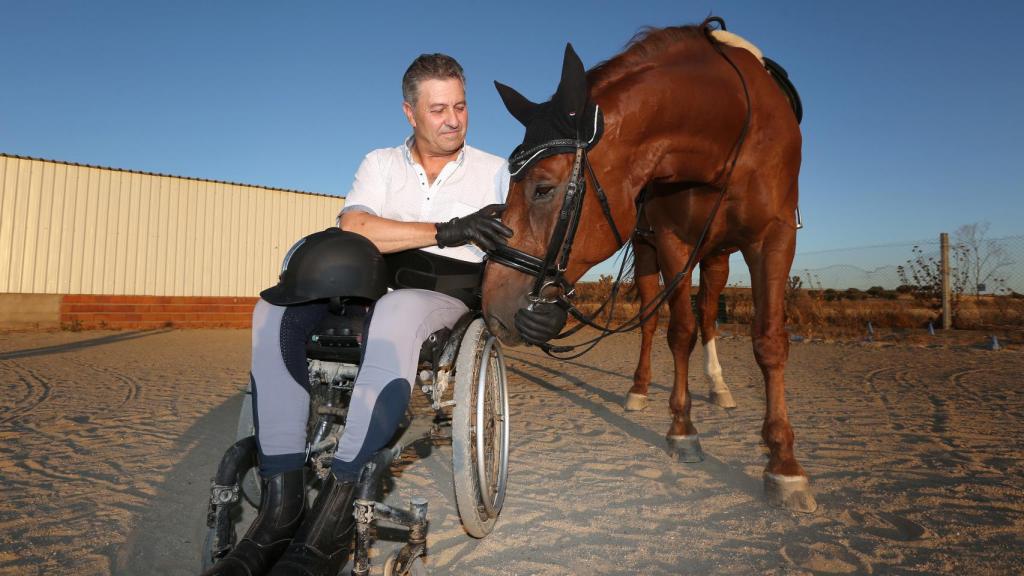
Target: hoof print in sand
{"points": [[823, 558]]}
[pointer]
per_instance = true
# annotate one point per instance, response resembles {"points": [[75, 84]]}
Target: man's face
{"points": [[439, 119]]}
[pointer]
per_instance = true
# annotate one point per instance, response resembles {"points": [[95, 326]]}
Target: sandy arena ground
{"points": [[108, 441]]}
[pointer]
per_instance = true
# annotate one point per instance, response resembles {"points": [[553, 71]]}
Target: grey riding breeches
{"points": [[401, 321]]}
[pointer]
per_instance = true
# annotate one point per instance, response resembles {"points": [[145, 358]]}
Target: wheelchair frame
{"points": [[465, 360]]}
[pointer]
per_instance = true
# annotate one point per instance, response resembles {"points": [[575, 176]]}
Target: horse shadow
{"points": [[728, 474]]}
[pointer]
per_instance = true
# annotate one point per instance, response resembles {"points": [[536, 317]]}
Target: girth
{"points": [[428, 271]]}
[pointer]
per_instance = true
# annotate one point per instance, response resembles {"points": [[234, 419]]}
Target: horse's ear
{"points": [[571, 96], [517, 104]]}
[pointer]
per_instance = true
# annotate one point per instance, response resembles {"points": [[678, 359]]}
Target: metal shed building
{"points": [[89, 246]]}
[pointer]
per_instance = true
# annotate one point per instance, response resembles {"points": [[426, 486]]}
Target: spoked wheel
{"points": [[480, 430]]}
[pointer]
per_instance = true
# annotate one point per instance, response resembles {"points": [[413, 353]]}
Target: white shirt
{"points": [[390, 184]]}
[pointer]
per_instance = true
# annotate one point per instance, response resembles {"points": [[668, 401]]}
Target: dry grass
{"points": [[815, 312]]}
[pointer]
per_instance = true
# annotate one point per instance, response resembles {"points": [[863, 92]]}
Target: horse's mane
{"points": [[646, 44]]}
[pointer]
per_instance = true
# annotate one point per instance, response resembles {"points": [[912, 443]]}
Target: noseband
{"points": [[550, 271]]}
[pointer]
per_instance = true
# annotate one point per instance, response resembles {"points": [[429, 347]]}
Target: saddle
{"points": [[777, 72]]}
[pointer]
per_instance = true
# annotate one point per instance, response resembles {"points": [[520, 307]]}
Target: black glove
{"points": [[481, 228], [541, 322]]}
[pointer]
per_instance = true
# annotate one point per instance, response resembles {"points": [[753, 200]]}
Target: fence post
{"points": [[947, 308]]}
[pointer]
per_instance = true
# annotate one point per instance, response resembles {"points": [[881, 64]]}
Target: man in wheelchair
{"points": [[432, 204]]}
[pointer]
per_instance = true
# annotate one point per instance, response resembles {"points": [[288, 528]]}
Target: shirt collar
{"points": [[407, 151]]}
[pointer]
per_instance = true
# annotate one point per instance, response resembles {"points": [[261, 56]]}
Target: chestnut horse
{"points": [[680, 107], [714, 272]]}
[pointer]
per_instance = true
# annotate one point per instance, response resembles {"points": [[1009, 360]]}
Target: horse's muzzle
{"points": [[540, 322]]}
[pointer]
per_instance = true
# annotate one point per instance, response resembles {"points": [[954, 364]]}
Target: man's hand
{"points": [[481, 228]]}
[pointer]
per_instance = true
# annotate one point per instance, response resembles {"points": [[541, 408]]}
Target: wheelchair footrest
{"points": [[415, 517]]}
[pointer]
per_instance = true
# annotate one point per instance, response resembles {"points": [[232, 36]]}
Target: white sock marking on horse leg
{"points": [[712, 368]]}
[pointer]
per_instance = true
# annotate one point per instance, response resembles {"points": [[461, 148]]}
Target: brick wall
{"points": [[84, 311]]}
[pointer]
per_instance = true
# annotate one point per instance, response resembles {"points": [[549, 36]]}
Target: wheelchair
{"points": [[461, 371]]}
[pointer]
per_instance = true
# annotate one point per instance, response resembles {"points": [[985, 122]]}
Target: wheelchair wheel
{"points": [[416, 567], [480, 430], [250, 484], [248, 506], [243, 516]]}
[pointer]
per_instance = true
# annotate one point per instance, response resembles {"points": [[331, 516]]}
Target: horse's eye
{"points": [[542, 191]]}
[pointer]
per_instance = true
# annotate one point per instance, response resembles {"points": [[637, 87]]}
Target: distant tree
{"points": [[984, 259], [793, 288], [922, 278], [855, 294]]}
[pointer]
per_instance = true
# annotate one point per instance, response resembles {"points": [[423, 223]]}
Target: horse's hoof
{"points": [[685, 448], [722, 398], [789, 492], [635, 402]]}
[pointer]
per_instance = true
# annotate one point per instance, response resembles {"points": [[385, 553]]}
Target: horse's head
{"points": [[558, 133]]}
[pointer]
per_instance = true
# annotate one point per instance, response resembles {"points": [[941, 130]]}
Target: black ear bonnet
{"points": [[563, 123]]}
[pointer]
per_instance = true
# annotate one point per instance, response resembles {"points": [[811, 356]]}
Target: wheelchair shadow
{"points": [[433, 454], [167, 538], [72, 346]]}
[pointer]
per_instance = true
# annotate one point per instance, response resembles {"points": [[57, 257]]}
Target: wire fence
{"points": [[896, 285], [899, 284], [995, 267], [985, 267]]}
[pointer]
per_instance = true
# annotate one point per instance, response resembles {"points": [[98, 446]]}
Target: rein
{"points": [[551, 272]]}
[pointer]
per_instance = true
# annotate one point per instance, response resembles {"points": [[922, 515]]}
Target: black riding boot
{"points": [[281, 507], [321, 545]]}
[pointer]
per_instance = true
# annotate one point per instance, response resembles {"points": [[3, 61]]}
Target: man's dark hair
{"points": [[429, 67]]}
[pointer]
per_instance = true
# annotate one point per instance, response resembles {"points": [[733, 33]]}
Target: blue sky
{"points": [[913, 110]]}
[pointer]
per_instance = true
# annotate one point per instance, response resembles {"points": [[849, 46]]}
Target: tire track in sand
{"points": [[944, 400], [131, 384], [881, 395], [37, 391]]}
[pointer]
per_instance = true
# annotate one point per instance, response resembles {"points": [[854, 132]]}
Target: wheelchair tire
{"points": [[416, 567], [207, 553], [250, 484], [241, 519], [480, 430]]}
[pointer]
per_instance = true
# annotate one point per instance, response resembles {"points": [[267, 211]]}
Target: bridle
{"points": [[550, 271]]}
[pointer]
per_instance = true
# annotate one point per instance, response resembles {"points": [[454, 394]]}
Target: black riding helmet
{"points": [[329, 264]]}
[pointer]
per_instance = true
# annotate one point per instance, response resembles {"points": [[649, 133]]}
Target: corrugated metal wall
{"points": [[72, 229]]}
